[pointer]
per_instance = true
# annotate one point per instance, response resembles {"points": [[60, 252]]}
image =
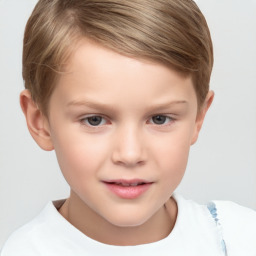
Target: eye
{"points": [[160, 119], [94, 121]]}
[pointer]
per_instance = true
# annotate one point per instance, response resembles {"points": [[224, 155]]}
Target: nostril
{"points": [[129, 152]]}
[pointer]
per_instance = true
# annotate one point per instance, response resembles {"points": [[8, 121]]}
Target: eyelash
{"points": [[166, 118], [85, 120]]}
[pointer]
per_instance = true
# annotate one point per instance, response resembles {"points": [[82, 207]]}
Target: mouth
{"points": [[128, 189], [128, 184]]}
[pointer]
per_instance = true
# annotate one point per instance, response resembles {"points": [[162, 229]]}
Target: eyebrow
{"points": [[100, 105], [168, 104], [90, 104]]}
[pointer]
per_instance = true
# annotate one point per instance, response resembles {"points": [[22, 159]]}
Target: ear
{"points": [[37, 123], [201, 115]]}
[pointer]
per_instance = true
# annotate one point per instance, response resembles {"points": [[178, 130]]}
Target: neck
{"points": [[84, 218]]}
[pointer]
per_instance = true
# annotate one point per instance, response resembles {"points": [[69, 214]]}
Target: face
{"points": [[122, 129]]}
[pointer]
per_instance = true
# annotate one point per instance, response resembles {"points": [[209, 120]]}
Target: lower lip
{"points": [[130, 192]]}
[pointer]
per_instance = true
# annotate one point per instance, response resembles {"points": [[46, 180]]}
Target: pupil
{"points": [[94, 120], [159, 119]]}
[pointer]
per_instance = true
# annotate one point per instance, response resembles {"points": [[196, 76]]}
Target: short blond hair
{"points": [[172, 32]]}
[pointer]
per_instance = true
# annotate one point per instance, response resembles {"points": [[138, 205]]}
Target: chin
{"points": [[128, 220]]}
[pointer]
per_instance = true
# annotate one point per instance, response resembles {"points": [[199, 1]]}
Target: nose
{"points": [[129, 149]]}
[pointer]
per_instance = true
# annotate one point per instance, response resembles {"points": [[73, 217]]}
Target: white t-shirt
{"points": [[197, 232]]}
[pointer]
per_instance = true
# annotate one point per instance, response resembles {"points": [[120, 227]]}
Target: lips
{"points": [[128, 184], [128, 189]]}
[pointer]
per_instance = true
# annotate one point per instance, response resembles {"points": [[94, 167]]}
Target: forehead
{"points": [[95, 71]]}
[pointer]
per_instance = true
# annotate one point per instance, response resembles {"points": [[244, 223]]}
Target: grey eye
{"points": [[94, 120], [159, 119]]}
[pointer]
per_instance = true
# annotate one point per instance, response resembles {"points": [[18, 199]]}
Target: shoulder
{"points": [[30, 238], [237, 224], [17, 243], [239, 227]]}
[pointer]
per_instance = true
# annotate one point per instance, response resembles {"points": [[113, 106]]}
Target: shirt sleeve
{"points": [[239, 228]]}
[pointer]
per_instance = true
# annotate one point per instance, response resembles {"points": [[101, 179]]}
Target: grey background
{"points": [[222, 164]]}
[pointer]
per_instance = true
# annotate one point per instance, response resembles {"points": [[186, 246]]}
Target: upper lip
{"points": [[124, 182]]}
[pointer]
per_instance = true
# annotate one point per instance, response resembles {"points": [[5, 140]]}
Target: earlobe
{"points": [[201, 116], [37, 123]]}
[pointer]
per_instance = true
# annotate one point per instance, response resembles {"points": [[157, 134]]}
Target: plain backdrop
{"points": [[222, 164]]}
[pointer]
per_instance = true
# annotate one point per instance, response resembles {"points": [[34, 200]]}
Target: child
{"points": [[119, 89]]}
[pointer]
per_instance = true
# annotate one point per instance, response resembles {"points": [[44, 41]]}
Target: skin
{"points": [[127, 143]]}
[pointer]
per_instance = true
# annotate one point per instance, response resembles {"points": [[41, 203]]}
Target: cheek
{"points": [[174, 162], [78, 155], [172, 156], [173, 169]]}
